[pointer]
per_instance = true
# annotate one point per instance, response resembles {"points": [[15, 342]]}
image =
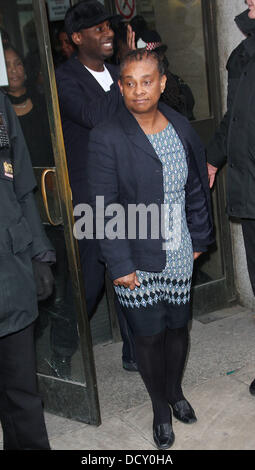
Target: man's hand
{"points": [[44, 279], [130, 281], [131, 38], [196, 254], [212, 170]]}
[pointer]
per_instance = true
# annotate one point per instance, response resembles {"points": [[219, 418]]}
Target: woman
{"points": [[29, 106], [65, 48], [149, 154]]}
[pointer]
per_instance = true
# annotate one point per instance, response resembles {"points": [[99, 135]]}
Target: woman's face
{"points": [[141, 85], [65, 45], [15, 70], [251, 6]]}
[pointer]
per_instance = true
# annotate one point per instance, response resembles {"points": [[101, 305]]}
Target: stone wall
{"points": [[229, 37]]}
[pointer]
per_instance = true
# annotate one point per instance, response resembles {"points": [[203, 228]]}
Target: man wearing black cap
{"points": [[88, 94]]}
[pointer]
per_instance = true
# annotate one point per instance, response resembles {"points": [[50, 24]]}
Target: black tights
{"points": [[161, 360]]}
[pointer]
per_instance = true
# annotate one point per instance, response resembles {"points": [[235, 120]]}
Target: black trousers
{"points": [[94, 283], [248, 227], [21, 410]]}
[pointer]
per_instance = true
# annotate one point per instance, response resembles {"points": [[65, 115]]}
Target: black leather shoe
{"points": [[183, 411], [252, 387], [130, 366], [163, 435]]}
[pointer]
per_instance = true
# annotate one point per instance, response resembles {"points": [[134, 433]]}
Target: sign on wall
{"points": [[126, 8], [57, 9], [3, 73]]}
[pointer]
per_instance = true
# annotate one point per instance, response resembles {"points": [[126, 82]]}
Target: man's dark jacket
{"points": [[21, 232], [234, 141], [123, 167], [83, 105]]}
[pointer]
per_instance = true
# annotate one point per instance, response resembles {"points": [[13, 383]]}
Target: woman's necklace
{"points": [[19, 101], [23, 105]]}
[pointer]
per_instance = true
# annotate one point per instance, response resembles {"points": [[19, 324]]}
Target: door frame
{"points": [[56, 391], [221, 292]]}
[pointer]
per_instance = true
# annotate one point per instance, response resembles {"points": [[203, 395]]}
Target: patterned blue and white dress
{"points": [[163, 298]]}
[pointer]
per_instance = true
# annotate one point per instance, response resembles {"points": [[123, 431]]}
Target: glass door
{"points": [[65, 361]]}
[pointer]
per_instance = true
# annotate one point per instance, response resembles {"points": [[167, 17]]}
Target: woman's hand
{"points": [[196, 254], [212, 170], [130, 281], [130, 38]]}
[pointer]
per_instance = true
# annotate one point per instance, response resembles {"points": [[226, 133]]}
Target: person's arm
{"points": [[87, 113], [217, 148], [41, 250], [102, 180]]}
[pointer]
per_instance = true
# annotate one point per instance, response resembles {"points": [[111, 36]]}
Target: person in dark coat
{"points": [[30, 107], [177, 93], [88, 93], [25, 277], [234, 141], [148, 161]]}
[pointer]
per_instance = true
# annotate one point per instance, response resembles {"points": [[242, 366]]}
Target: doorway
{"points": [[188, 30]]}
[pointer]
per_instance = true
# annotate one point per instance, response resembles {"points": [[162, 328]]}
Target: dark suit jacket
{"points": [[123, 167], [83, 105]]}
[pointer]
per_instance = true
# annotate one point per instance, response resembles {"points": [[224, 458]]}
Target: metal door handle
{"points": [[44, 195]]}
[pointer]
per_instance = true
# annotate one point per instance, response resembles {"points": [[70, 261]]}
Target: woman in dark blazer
{"points": [[149, 158]]}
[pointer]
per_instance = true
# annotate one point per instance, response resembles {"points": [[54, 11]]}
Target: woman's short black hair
{"points": [[139, 55], [9, 46]]}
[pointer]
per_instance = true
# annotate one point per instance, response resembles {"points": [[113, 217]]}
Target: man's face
{"points": [[251, 6], [96, 42]]}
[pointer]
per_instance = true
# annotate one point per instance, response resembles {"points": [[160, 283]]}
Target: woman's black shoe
{"points": [[163, 435], [252, 387], [183, 411]]}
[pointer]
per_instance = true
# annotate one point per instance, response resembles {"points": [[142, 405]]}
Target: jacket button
{"points": [[232, 165], [234, 119]]}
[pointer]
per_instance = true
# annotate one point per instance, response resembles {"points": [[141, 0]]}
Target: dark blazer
{"points": [[83, 105], [123, 167]]}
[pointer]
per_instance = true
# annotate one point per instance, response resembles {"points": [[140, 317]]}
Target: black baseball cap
{"points": [[84, 15]]}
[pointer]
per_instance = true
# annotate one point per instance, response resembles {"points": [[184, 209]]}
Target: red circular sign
{"points": [[126, 8]]}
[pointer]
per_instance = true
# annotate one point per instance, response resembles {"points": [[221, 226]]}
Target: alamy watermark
{"points": [[116, 222]]}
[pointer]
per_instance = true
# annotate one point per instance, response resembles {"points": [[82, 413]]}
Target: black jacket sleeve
{"points": [[217, 147], [25, 183], [85, 112]]}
